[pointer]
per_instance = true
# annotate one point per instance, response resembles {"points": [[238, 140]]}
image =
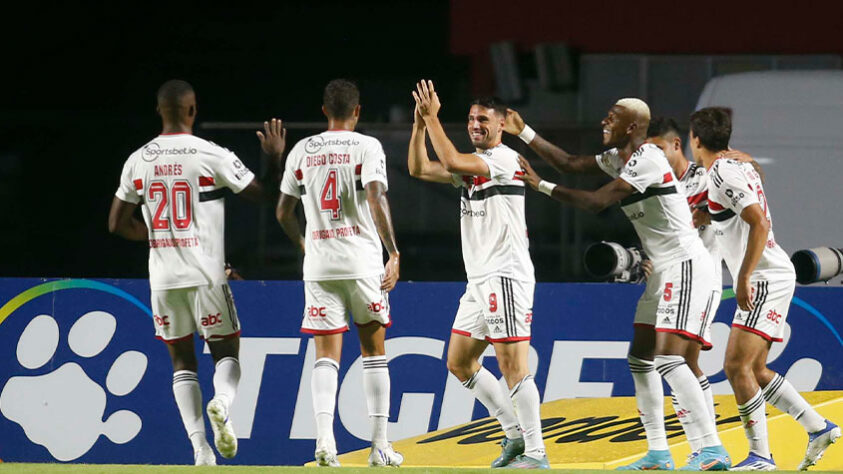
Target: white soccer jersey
{"points": [[695, 181], [180, 181], [492, 222], [658, 209], [328, 173], [733, 186]]}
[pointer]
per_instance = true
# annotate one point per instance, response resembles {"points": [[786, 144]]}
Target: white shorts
{"points": [[497, 309], [772, 302], [326, 304], [180, 312], [681, 299]]}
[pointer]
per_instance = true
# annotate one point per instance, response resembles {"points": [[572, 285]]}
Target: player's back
{"points": [[733, 186], [328, 172], [179, 181]]}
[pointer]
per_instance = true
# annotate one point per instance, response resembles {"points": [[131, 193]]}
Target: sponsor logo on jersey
{"points": [[162, 320], [316, 312], [465, 212], [774, 316], [153, 150], [636, 215], [315, 143], [212, 320]]}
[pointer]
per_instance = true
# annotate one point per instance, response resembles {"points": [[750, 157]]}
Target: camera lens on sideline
{"points": [[610, 261], [817, 264]]}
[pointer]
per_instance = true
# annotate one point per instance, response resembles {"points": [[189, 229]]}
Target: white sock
{"points": [[189, 400], [649, 396], [323, 387], [709, 397], [781, 394], [754, 421], [226, 379], [680, 415], [525, 398], [689, 394], [376, 387], [485, 387]]}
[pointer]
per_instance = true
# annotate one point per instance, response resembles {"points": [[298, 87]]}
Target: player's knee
{"points": [[736, 368], [512, 368], [462, 368]]}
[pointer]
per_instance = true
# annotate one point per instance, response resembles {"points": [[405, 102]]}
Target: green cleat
{"points": [[523, 461], [510, 448]]}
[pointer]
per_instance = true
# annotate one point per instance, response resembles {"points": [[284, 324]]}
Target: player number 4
{"points": [[329, 200]]}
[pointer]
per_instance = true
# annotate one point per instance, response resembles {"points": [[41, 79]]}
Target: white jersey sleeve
{"points": [[642, 172], [231, 172], [374, 164], [500, 165], [732, 189], [291, 180], [128, 191], [610, 162]]}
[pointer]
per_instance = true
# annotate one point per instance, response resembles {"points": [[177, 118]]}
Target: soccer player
{"points": [[664, 133], [497, 304], [674, 311], [764, 281], [179, 181], [340, 178]]}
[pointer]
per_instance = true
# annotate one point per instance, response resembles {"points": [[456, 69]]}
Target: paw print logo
{"points": [[63, 410]]}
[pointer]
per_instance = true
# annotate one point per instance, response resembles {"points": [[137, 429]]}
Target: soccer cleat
{"points": [[818, 442], [653, 460], [224, 438], [386, 456], [522, 461], [713, 458], [754, 462], [510, 448], [325, 458], [204, 456]]}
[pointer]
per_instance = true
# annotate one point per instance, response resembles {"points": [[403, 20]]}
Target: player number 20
{"points": [[171, 204], [329, 200]]}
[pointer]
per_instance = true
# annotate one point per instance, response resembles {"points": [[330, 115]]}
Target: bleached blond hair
{"points": [[637, 106]]}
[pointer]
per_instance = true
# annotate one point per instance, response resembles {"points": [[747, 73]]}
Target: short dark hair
{"points": [[491, 102], [713, 126], [171, 92], [340, 98], [661, 126]]}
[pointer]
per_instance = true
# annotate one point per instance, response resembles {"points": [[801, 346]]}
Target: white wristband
{"points": [[546, 187], [527, 135]]}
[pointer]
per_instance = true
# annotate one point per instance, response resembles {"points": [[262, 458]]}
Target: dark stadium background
{"points": [[79, 83]]}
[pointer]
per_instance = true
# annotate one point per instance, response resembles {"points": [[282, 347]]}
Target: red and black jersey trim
{"points": [[648, 193], [212, 195], [723, 216], [500, 190]]}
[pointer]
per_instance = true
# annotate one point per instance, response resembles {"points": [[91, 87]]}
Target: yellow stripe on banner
{"points": [[603, 433]]}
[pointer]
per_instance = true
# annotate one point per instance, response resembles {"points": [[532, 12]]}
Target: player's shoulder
{"points": [[648, 151], [726, 168], [499, 151]]}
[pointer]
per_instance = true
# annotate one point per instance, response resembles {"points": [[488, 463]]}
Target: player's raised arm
{"points": [[560, 159], [418, 163], [273, 141], [122, 221], [594, 201], [285, 213], [428, 104], [379, 206]]}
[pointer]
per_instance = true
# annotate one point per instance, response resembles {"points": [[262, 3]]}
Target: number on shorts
{"points": [[668, 291], [493, 303], [329, 198], [172, 204]]}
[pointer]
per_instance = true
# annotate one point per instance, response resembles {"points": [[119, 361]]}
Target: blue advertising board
{"points": [[82, 378]]}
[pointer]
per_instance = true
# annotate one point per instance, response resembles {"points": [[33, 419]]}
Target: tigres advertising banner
{"points": [[82, 378]]}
